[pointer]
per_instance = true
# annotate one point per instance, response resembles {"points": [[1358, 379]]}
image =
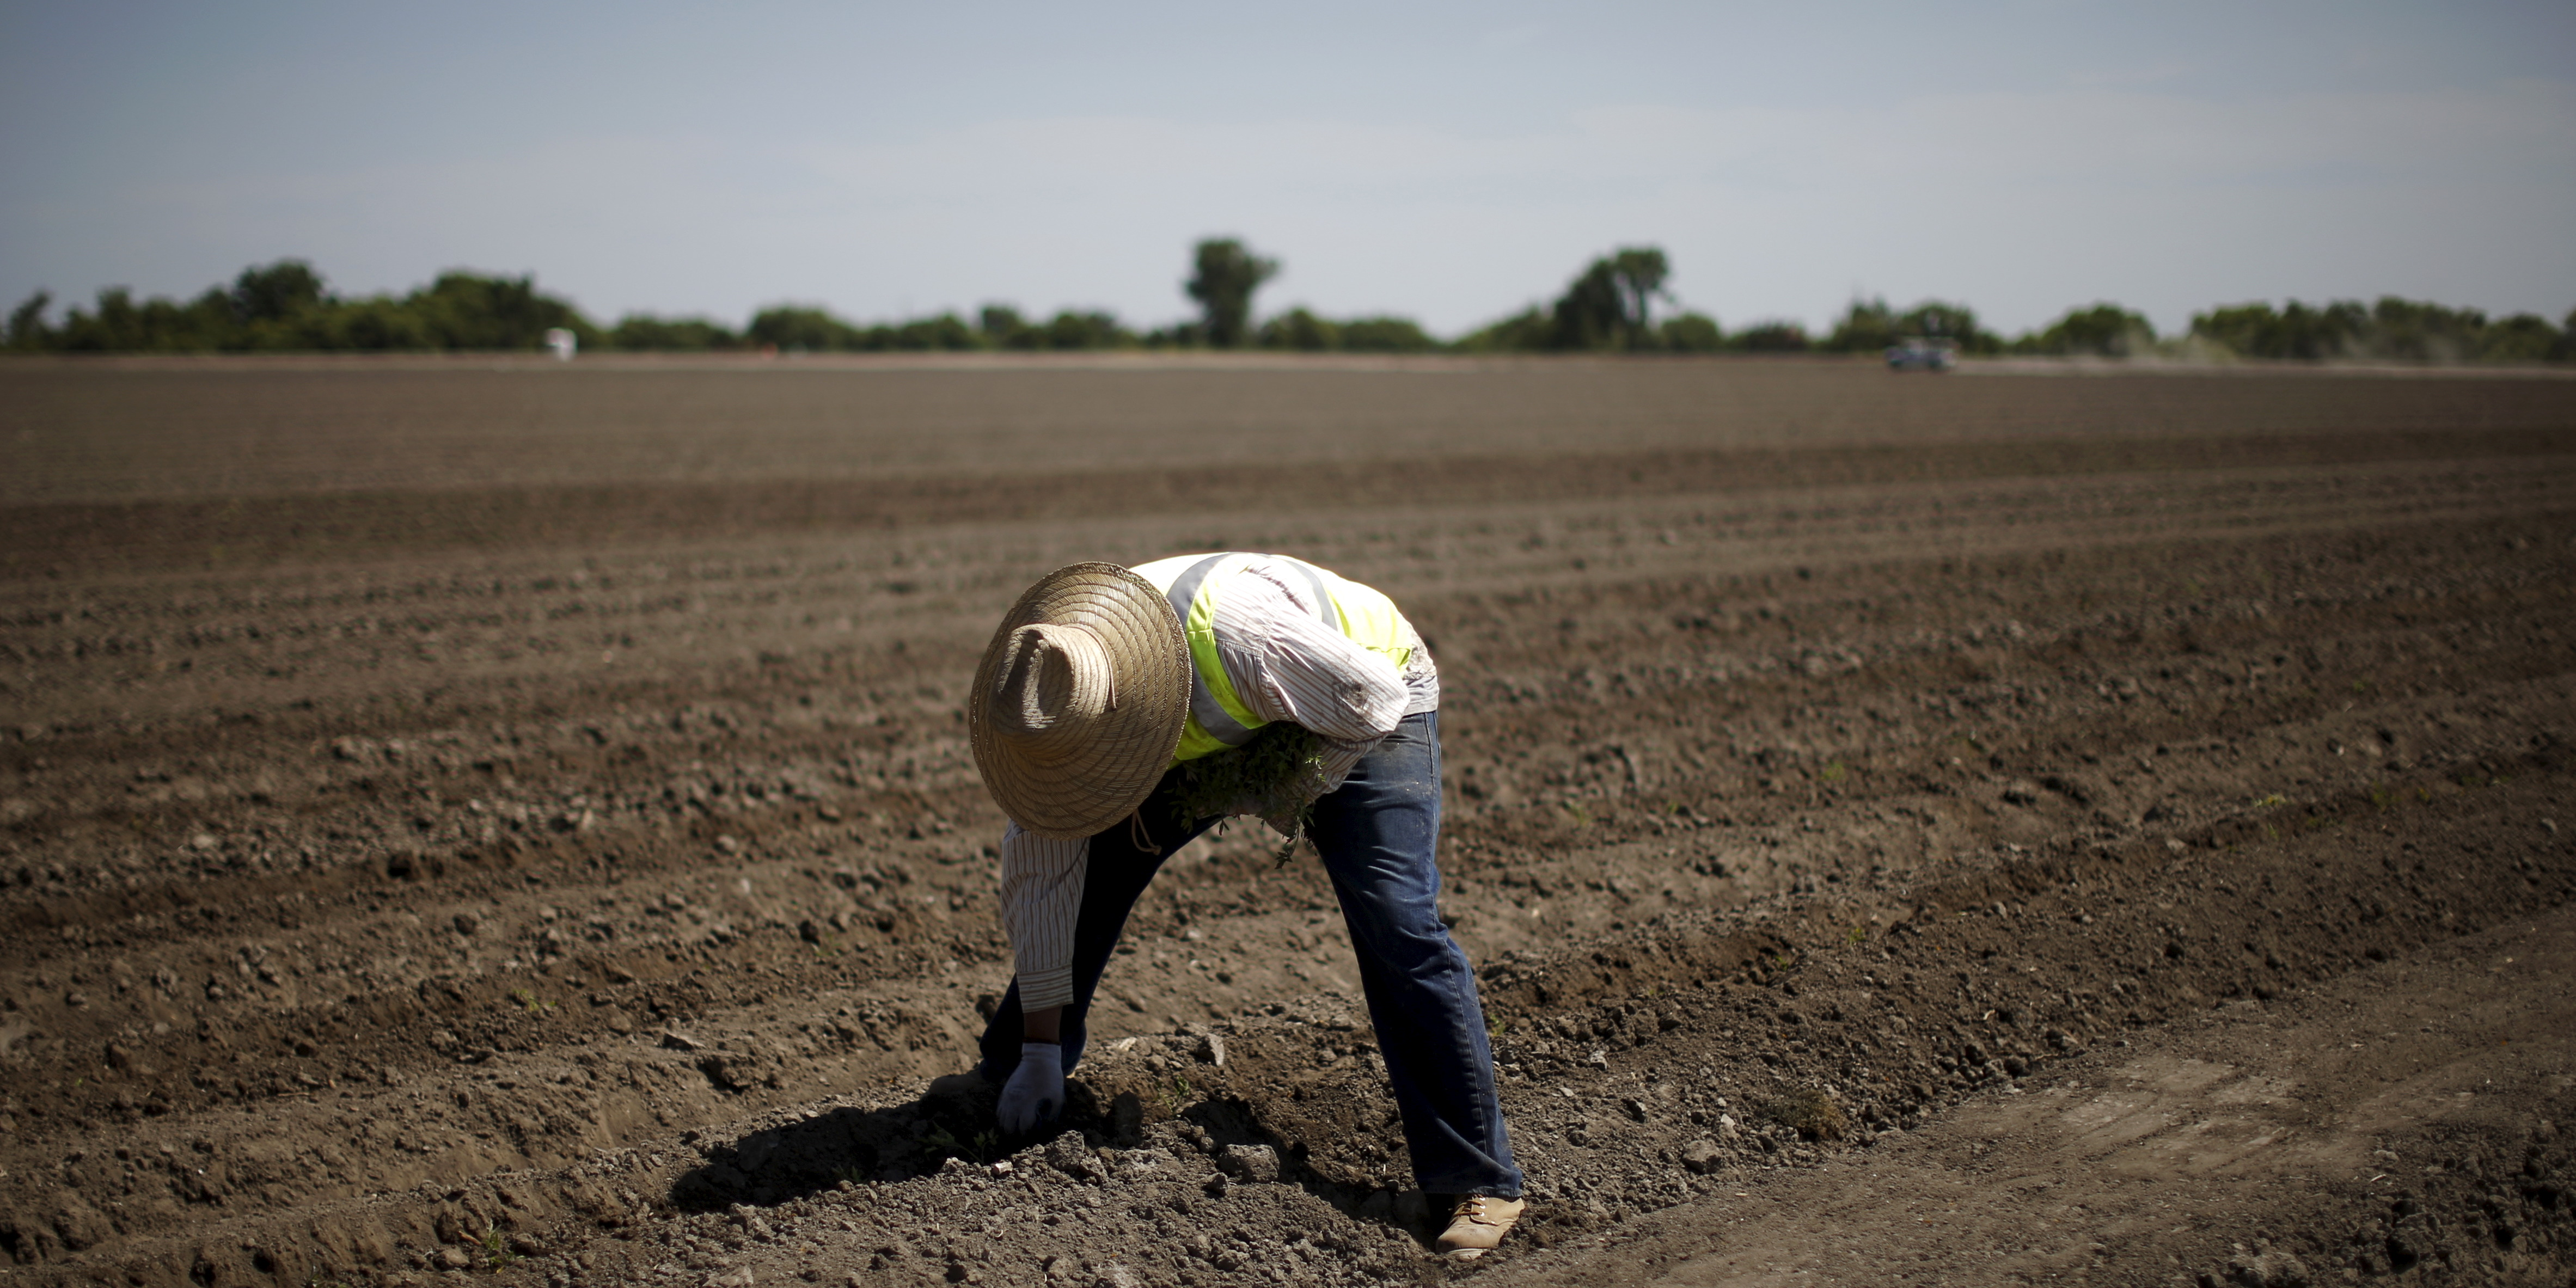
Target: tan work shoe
{"points": [[1478, 1223]]}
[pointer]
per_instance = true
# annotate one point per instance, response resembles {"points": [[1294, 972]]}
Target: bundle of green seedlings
{"points": [[1276, 776]]}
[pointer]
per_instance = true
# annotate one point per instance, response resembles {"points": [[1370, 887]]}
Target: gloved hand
{"points": [[1035, 1093]]}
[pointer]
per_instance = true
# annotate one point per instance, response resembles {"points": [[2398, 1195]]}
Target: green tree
{"points": [[1004, 328], [376, 324], [1691, 333], [276, 292], [1870, 325], [27, 329], [118, 323], [1070, 329], [645, 333], [463, 310], [1639, 272], [1610, 304], [1592, 314], [1224, 281], [800, 330], [1770, 337], [1386, 334], [1943, 320], [1865, 327], [2296, 331], [943, 332], [1301, 330], [2413, 330], [2524, 337], [2103, 330], [1523, 332]]}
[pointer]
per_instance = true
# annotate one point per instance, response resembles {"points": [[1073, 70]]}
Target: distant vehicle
{"points": [[1914, 353]]}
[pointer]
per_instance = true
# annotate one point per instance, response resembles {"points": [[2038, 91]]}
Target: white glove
{"points": [[1035, 1093]]}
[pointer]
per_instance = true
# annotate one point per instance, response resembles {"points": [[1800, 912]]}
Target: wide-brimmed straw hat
{"points": [[1080, 700]]}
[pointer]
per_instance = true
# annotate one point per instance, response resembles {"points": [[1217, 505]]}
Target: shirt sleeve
{"points": [[1288, 665], [1041, 895]]}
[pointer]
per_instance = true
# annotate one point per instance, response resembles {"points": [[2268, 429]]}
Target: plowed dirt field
{"points": [[514, 821]]}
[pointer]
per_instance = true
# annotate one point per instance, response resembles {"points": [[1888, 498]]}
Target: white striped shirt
{"points": [[1285, 664]]}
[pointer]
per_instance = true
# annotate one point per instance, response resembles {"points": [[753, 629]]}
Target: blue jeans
{"points": [[1377, 833]]}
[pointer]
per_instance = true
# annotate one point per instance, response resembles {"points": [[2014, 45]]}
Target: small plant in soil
{"points": [[1810, 1112], [937, 1143], [496, 1248], [528, 1002]]}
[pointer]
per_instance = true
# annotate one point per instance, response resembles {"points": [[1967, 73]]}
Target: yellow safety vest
{"points": [[1218, 717]]}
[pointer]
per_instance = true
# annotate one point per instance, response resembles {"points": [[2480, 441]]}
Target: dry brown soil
{"points": [[502, 819]]}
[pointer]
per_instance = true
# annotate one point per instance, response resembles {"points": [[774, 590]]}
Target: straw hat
{"points": [[1080, 700]]}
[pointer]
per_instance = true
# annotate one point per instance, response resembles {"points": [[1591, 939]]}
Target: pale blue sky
{"points": [[1450, 162]]}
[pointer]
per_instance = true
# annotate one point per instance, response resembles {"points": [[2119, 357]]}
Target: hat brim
{"points": [[1080, 795]]}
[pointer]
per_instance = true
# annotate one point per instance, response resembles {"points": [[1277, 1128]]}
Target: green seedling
{"points": [[849, 1173], [1272, 773], [2383, 799], [2271, 800], [528, 1002], [1810, 1113], [939, 1142], [1860, 934], [1581, 817], [1834, 771], [496, 1248]]}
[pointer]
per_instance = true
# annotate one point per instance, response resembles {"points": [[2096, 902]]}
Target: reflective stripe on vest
{"points": [[1218, 717]]}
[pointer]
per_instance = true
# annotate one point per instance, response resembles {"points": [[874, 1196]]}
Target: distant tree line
{"points": [[1609, 307], [2392, 329], [283, 307]]}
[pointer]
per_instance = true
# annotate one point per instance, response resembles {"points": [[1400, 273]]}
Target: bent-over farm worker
{"points": [[1119, 712]]}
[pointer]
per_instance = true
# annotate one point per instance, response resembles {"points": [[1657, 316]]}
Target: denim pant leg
{"points": [[1378, 834], [1114, 879]]}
